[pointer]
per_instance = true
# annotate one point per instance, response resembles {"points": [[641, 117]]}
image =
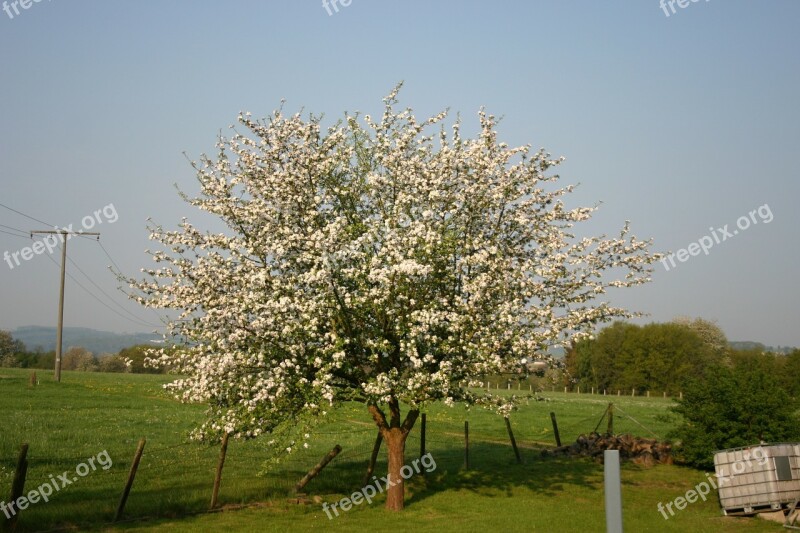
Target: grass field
{"points": [[88, 413]]}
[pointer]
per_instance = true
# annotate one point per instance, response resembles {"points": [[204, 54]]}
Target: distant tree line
{"points": [[730, 397], [663, 357], [13, 353]]}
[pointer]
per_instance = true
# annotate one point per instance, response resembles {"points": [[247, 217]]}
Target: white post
{"points": [[613, 491]]}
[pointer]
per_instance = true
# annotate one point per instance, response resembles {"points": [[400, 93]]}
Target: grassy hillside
{"points": [[88, 413]]}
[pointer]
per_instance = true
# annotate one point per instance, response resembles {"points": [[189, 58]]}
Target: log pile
{"points": [[640, 450]]}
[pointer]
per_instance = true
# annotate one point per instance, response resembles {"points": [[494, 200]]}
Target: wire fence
{"points": [[177, 479]]}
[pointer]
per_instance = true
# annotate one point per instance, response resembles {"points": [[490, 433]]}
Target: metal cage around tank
{"points": [[760, 478]]}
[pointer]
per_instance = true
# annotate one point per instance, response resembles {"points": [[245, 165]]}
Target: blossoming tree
{"points": [[374, 262]]}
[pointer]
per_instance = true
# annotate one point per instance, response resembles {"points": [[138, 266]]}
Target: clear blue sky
{"points": [[679, 123]]}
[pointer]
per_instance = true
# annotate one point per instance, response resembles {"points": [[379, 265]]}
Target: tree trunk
{"points": [[396, 447], [394, 433]]}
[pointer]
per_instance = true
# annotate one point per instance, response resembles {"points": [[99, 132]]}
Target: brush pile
{"points": [[640, 450]]}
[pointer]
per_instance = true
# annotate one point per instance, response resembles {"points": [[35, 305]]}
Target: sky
{"points": [[683, 120]]}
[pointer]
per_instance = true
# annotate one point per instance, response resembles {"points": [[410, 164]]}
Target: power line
{"points": [[110, 258], [119, 270], [26, 237], [98, 299], [77, 233], [15, 229], [26, 216], [107, 295]]}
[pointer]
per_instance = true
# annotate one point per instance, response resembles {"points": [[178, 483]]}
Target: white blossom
{"points": [[372, 261]]}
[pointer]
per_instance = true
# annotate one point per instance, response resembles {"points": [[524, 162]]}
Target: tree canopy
{"points": [[739, 405], [657, 356], [376, 262], [10, 349]]}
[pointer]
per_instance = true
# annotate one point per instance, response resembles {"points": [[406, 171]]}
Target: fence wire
{"points": [[176, 479]]}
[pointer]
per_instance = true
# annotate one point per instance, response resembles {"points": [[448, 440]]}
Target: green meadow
{"points": [[86, 414]]}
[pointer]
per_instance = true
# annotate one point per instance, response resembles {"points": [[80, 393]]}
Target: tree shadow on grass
{"points": [[158, 493], [493, 472]]}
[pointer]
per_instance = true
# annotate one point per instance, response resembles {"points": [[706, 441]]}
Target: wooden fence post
{"points": [[555, 428], [466, 444], [131, 476], [422, 427], [17, 487], [317, 469], [373, 458], [220, 464], [513, 440]]}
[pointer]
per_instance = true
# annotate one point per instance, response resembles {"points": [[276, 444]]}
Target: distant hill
{"points": [[93, 340], [99, 342], [751, 345]]}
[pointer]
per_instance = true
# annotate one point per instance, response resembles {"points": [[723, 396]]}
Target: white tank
{"points": [[757, 479]]}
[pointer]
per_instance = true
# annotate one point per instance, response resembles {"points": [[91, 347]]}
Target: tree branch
{"points": [[379, 417]]}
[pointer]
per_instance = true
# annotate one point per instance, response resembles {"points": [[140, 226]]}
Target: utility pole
{"points": [[64, 234]]}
